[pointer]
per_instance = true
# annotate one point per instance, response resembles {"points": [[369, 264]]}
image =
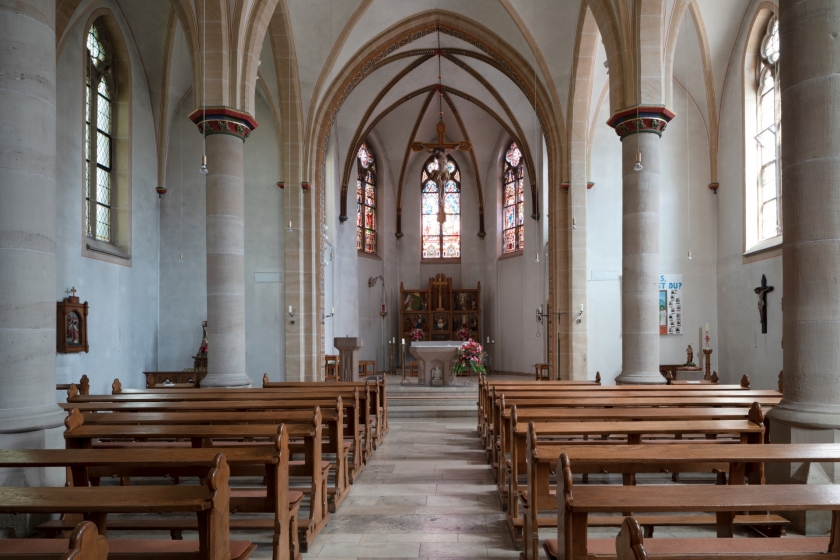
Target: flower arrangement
{"points": [[416, 334], [470, 358], [463, 333]]}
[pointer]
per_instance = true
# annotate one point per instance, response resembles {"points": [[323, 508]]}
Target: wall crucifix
{"points": [[762, 292]]}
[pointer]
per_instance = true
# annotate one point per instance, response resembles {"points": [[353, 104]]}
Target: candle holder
{"points": [[708, 372]]}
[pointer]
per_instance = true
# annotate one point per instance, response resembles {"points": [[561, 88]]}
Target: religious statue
{"points": [[762, 292], [689, 355], [202, 350]]}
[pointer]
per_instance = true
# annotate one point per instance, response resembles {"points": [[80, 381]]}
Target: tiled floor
{"points": [[427, 492]]}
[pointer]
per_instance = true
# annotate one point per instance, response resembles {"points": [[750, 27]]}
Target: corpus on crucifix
{"points": [[762, 292], [440, 151]]}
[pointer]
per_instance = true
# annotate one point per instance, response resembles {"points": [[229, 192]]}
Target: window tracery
{"points": [[513, 201], [441, 240]]}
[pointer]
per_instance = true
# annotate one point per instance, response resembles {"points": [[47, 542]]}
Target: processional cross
{"points": [[762, 292]]}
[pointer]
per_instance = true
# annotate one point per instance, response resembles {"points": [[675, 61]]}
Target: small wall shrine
{"points": [[441, 312]]}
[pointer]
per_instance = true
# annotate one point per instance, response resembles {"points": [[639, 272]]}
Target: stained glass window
{"points": [[768, 137], [99, 114], [441, 236], [365, 200], [513, 201]]}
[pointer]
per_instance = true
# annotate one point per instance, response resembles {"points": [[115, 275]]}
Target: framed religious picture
{"points": [[71, 325]]}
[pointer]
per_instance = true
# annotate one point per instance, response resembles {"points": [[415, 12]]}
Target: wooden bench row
{"points": [[576, 505], [209, 502]]}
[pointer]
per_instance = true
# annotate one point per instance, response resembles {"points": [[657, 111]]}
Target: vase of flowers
{"points": [[416, 334], [463, 333], [470, 358]]}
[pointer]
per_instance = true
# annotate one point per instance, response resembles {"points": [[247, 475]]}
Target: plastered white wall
{"points": [[123, 317], [743, 349]]}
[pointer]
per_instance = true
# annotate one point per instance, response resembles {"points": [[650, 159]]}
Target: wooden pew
{"points": [[575, 504], [83, 386], [747, 431], [503, 402], [86, 544], [357, 420], [525, 415], [209, 502], [85, 466], [333, 445], [368, 395], [80, 435], [629, 545], [733, 462]]}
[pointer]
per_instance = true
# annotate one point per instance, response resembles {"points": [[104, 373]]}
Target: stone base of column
{"points": [[227, 381], [793, 422], [626, 378]]}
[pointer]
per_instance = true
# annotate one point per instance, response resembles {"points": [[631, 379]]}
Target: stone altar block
{"points": [[444, 354], [348, 357]]}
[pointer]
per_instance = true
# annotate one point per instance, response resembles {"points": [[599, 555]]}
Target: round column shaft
{"points": [[810, 88], [226, 130], [640, 129], [27, 219]]}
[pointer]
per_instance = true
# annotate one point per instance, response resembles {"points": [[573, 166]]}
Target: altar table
{"points": [[442, 354]]}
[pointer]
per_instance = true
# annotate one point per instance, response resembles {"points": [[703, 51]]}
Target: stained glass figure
{"points": [[365, 200], [98, 129], [441, 240], [513, 201]]}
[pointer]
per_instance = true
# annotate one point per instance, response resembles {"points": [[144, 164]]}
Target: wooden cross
{"points": [[73, 291], [762, 292], [440, 150], [440, 283]]}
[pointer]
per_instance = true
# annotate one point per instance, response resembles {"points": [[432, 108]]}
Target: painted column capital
{"points": [[223, 120], [644, 118]]}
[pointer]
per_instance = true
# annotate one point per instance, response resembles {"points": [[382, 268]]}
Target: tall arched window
{"points": [[365, 200], [513, 202], [441, 218], [99, 117], [768, 137]]}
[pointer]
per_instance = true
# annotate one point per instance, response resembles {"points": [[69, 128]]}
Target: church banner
{"points": [[670, 304]]}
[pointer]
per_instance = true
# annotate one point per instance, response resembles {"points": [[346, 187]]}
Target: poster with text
{"points": [[670, 304]]}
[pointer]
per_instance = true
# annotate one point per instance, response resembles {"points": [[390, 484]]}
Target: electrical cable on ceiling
{"points": [[203, 169]]}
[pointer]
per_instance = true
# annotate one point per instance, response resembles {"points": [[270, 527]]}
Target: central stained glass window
{"points": [[441, 240], [365, 200]]}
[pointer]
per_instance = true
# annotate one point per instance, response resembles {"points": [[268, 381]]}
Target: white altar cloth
{"points": [[440, 353]]}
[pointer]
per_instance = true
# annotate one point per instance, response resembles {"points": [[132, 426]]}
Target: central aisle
{"points": [[427, 492]]}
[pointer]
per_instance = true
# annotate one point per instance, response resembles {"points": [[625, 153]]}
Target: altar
{"points": [[437, 353]]}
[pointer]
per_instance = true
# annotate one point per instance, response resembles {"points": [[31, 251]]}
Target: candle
{"points": [[493, 342], [403, 341], [707, 337], [290, 309], [488, 340]]}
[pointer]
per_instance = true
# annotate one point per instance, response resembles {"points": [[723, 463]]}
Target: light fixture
{"points": [[638, 166], [203, 168], [574, 224], [537, 260], [289, 229], [689, 255]]}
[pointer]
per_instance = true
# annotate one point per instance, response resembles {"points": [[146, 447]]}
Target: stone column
{"points": [[640, 129], [27, 218], [348, 357], [810, 85], [226, 130]]}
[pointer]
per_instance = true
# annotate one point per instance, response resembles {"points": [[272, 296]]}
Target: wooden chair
{"points": [[414, 368], [331, 368], [366, 367], [543, 371]]}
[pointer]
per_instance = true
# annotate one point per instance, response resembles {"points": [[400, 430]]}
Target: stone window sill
{"points": [[766, 249], [512, 255], [372, 256], [106, 248]]}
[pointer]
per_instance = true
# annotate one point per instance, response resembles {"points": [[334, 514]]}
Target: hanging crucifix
{"points": [[762, 292], [442, 148]]}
